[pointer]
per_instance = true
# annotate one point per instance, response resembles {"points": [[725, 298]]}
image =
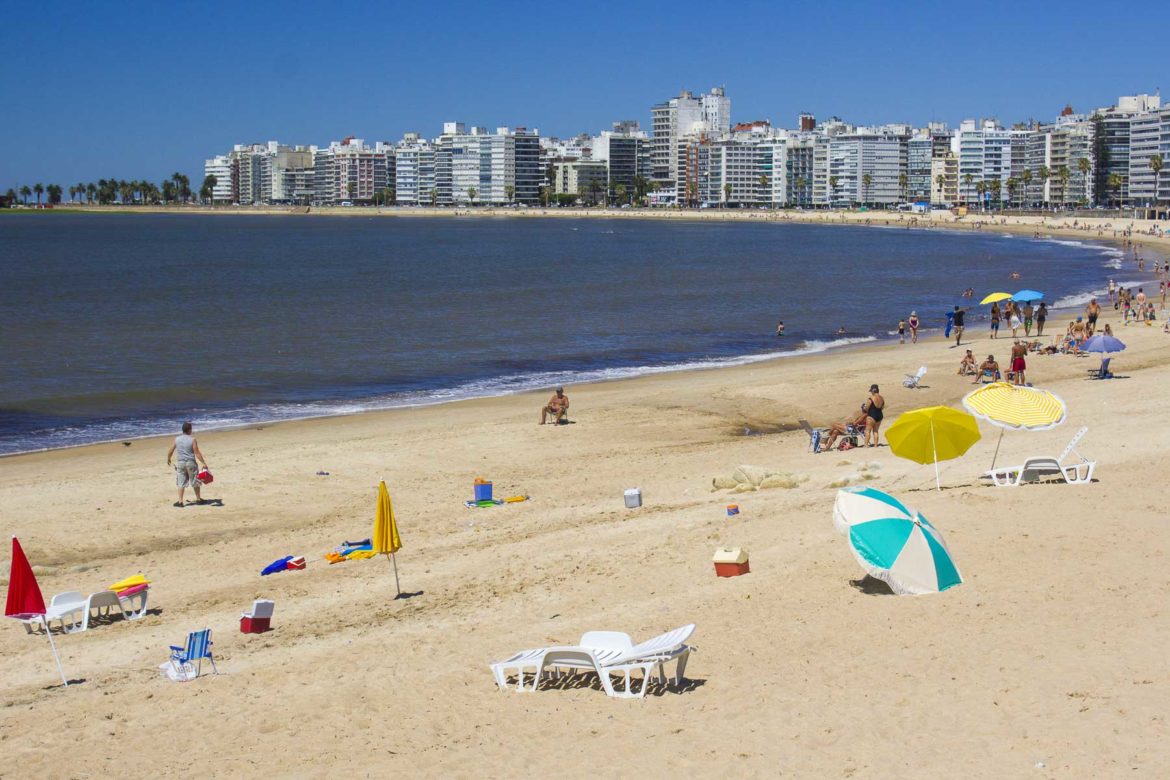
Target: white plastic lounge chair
{"points": [[105, 602], [913, 381], [129, 609], [612, 655], [1042, 468], [64, 607]]}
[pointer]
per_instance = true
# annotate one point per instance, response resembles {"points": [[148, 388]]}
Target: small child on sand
{"points": [[901, 331]]}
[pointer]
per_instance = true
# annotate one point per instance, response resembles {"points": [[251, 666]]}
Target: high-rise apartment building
{"points": [[220, 167], [679, 117], [479, 167], [984, 150], [350, 171], [626, 153], [414, 176]]}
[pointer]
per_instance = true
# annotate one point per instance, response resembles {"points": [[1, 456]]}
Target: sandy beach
{"points": [[1048, 661]]}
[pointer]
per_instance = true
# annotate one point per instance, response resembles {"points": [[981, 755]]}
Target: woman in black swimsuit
{"points": [[874, 415]]}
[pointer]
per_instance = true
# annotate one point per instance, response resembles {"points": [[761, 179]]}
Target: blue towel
{"points": [[275, 566]]}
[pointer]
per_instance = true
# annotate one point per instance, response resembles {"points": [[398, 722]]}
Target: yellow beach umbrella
{"points": [[996, 298], [933, 434], [385, 539], [1016, 407]]}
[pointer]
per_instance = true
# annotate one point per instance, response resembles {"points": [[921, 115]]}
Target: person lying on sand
{"points": [[557, 406]]}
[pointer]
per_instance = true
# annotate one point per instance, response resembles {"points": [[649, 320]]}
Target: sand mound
{"points": [[746, 479]]}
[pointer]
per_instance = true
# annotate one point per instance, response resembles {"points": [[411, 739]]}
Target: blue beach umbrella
{"points": [[1028, 295], [894, 543], [1103, 343]]}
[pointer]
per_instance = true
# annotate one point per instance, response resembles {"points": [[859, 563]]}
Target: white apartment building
{"points": [[271, 173], [867, 166], [497, 168], [414, 171], [682, 116], [220, 167], [1144, 140], [580, 178], [984, 151]]}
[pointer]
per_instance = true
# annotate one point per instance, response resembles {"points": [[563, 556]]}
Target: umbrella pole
{"points": [[997, 443], [934, 449], [394, 559], [56, 657]]}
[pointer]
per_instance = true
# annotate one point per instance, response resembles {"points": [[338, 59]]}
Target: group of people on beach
{"points": [[1018, 316], [866, 423]]}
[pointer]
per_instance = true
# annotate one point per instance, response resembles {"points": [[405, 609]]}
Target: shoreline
{"points": [[1097, 228], [625, 374]]}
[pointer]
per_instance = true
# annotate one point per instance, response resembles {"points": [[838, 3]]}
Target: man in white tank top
{"points": [[186, 450]]}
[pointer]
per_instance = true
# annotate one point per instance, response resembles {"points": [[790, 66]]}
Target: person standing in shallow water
{"points": [[185, 451]]}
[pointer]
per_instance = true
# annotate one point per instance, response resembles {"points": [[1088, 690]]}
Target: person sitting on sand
{"points": [[857, 423], [989, 369], [967, 365], [557, 406], [186, 470]]}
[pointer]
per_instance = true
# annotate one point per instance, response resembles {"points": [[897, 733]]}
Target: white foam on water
{"points": [[1080, 299], [261, 414]]}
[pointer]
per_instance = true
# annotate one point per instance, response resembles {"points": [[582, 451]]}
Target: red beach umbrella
{"points": [[24, 597]]}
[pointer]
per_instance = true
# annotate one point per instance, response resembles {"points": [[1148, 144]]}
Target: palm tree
{"points": [[903, 180], [763, 189], [72, 194], [80, 190], [866, 181], [641, 187], [434, 197], [620, 193], [10, 196], [39, 189], [941, 181], [726, 193], [207, 191], [1026, 177], [980, 188], [90, 192], [1044, 174], [545, 195], [1156, 167], [471, 193], [967, 179], [832, 188], [1012, 184], [1115, 181], [1064, 175], [1084, 166], [509, 192], [24, 193], [801, 183], [54, 191]]}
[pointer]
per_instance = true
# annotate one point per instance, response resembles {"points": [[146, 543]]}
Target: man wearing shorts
{"points": [[960, 316], [185, 451], [1092, 311], [1018, 363]]}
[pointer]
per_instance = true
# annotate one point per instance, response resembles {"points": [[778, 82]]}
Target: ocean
{"points": [[120, 326]]}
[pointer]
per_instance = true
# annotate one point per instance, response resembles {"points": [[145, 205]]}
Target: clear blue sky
{"points": [[135, 90]]}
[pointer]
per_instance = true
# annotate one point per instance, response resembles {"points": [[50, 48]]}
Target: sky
{"points": [[136, 90]]}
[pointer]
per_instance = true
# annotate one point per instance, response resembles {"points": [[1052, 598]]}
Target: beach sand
{"points": [[1051, 652]]}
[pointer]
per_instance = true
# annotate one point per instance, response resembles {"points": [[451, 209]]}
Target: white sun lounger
{"points": [[64, 607], [1042, 468], [129, 609], [605, 653]]}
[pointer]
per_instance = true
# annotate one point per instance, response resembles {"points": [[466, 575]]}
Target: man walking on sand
{"points": [[959, 316], [557, 406], [186, 451], [1092, 311]]}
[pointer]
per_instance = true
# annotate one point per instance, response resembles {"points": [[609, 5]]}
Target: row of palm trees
{"points": [[176, 189]]}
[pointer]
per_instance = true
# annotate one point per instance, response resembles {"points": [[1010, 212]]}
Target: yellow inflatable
{"points": [[129, 582]]}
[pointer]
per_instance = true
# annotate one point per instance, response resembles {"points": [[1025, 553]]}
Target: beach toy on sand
{"points": [[515, 499], [732, 509], [483, 489], [487, 502]]}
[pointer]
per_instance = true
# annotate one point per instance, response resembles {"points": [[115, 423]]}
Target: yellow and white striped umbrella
{"points": [[1016, 406]]}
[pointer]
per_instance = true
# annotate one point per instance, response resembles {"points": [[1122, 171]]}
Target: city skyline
{"points": [[126, 116]]}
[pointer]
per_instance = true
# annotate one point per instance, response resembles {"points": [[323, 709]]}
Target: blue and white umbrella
{"points": [[894, 543], [1103, 343]]}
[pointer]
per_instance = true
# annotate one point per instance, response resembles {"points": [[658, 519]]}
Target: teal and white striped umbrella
{"points": [[894, 543]]}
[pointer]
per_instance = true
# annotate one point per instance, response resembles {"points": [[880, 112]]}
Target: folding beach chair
{"points": [[198, 647], [914, 381]]}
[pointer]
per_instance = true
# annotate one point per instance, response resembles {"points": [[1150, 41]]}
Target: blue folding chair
{"points": [[198, 648]]}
